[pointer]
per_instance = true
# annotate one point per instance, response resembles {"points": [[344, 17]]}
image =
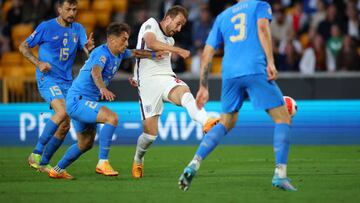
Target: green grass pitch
{"points": [[230, 174]]}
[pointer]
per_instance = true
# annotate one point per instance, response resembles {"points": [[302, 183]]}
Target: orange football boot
{"points": [[106, 169], [63, 175], [137, 170], [211, 122]]}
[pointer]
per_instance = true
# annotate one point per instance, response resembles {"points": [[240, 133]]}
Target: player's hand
{"points": [[44, 66], [107, 94], [161, 54], [271, 72], [202, 97], [184, 53], [90, 44], [133, 82]]}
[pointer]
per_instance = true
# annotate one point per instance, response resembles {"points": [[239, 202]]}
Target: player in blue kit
{"points": [[58, 40], [82, 99], [247, 70]]}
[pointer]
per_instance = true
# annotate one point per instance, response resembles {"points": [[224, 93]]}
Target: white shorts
{"points": [[154, 91]]}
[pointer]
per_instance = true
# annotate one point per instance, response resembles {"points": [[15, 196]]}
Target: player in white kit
{"points": [[157, 82]]}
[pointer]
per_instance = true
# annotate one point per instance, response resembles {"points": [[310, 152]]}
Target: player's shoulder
{"points": [[151, 21], [77, 26], [47, 23], [100, 50]]}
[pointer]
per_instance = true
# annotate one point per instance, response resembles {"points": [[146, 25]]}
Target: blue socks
{"points": [[281, 143], [49, 131], [211, 140], [105, 137], [50, 149], [70, 156]]}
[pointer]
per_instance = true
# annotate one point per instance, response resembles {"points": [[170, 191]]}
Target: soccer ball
{"points": [[291, 105]]}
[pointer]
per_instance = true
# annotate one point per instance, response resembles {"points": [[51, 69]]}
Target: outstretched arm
{"points": [[205, 65], [26, 52], [264, 34], [153, 44], [99, 82], [140, 53]]}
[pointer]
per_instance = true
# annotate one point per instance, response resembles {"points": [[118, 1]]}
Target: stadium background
{"points": [[324, 162], [328, 95]]}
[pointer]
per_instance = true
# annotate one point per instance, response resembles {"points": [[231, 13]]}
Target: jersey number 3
{"points": [[239, 26]]}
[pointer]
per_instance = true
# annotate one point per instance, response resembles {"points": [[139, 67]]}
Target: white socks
{"points": [[198, 115], [195, 162], [143, 143], [102, 161], [280, 170]]}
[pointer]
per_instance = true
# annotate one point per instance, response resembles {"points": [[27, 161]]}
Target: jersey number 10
{"points": [[240, 26]]}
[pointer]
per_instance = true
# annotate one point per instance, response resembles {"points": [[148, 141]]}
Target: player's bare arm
{"points": [[26, 52], [90, 44], [202, 95], [155, 45], [139, 53], [264, 34], [99, 82]]}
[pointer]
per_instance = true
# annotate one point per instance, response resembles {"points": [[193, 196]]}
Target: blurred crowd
{"points": [[308, 35]]}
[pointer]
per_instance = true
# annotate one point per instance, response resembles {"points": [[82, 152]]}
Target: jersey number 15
{"points": [[64, 54], [239, 26]]}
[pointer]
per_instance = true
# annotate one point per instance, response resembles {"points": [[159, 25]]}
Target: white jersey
{"points": [[146, 68]]}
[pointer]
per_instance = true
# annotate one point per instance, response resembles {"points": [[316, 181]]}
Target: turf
{"points": [[230, 174]]}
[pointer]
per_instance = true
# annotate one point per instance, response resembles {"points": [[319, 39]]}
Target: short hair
{"points": [[71, 2], [175, 10], [116, 29]]}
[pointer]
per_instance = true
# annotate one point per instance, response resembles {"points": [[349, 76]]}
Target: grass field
{"points": [[231, 174]]}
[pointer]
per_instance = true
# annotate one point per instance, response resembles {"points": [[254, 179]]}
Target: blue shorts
{"points": [[83, 112], [263, 94], [51, 88]]}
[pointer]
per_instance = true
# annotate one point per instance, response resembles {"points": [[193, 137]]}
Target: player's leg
{"points": [[282, 119], [85, 142], [110, 121], [232, 97], [180, 95], [207, 145], [144, 141], [51, 127], [266, 95]]}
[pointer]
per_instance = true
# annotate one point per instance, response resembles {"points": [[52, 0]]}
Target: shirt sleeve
{"points": [[151, 25], [98, 58], [215, 37], [127, 54], [36, 38], [263, 10], [82, 37]]}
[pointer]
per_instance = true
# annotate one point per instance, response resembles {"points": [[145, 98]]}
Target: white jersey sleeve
{"points": [[145, 68]]}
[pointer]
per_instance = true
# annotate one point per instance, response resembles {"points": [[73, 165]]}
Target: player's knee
{"points": [[61, 115], [113, 119], [86, 144], [286, 118]]}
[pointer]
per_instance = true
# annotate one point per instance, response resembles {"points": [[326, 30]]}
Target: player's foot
{"points": [[63, 175], [34, 160], [283, 183], [211, 122], [45, 168], [137, 170], [106, 169], [186, 178]]}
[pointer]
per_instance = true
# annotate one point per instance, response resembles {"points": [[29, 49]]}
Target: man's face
{"points": [[68, 12], [119, 43], [174, 24]]}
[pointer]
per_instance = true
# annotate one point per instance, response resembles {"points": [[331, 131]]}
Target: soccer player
{"points": [[157, 82], [247, 70], [91, 84], [58, 40]]}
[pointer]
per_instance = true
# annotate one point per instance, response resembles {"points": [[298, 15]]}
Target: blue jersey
{"points": [[101, 56], [236, 27], [57, 46]]}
